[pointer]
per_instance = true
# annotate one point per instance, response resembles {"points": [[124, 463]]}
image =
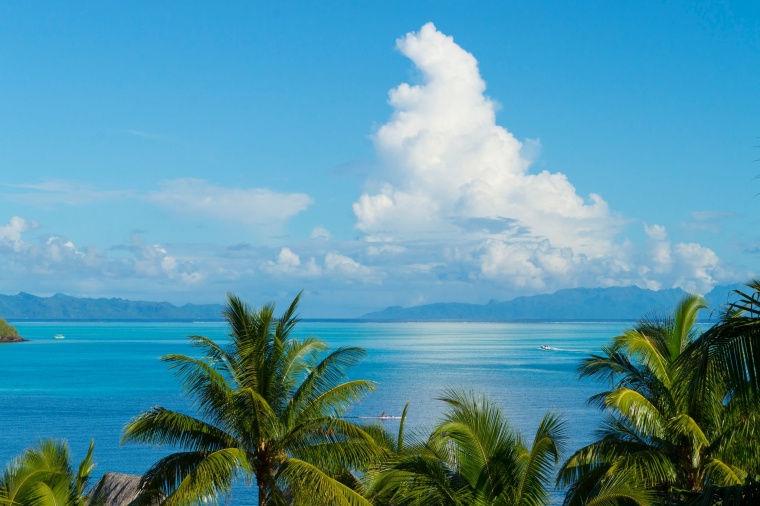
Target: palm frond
{"points": [[160, 426], [329, 373], [310, 485], [400, 439], [544, 455], [297, 358], [216, 356], [210, 478], [288, 320], [335, 401], [638, 409], [207, 387], [720, 473]]}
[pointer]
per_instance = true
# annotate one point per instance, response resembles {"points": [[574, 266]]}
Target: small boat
{"points": [[59, 336], [545, 348], [382, 417]]}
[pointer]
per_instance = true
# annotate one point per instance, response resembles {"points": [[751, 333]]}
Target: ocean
{"points": [[90, 384]]}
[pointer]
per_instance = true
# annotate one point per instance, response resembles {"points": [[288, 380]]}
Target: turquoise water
{"points": [[101, 375]]}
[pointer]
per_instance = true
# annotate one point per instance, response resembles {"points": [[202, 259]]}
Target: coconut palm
{"points": [[730, 351], [654, 444], [44, 476], [472, 457], [731, 348], [268, 409]]}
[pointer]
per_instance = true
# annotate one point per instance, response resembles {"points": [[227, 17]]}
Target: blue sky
{"points": [[376, 153]]}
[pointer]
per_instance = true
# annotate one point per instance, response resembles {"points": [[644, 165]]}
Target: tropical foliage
{"points": [[44, 476], [7, 330], [657, 442], [681, 425], [472, 457], [269, 409], [730, 351]]}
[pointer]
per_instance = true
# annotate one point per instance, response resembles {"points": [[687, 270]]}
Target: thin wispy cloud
{"points": [[707, 221], [51, 193], [201, 199], [143, 134]]}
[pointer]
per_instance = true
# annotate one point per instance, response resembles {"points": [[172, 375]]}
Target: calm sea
{"points": [[101, 375]]}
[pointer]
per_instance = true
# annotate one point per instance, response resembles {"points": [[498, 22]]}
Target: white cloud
{"points": [[455, 180], [385, 249], [289, 262], [659, 249], [348, 267], [58, 249], [321, 233], [448, 161], [10, 234], [699, 267], [288, 258], [239, 205]]}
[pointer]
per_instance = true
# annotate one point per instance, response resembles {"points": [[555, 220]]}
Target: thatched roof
{"points": [[116, 489]]}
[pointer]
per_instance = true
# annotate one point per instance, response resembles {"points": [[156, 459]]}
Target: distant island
{"points": [[573, 304], [59, 307], [8, 333]]}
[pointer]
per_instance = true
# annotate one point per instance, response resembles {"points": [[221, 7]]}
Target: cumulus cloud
{"points": [[241, 205], [56, 261], [450, 161], [321, 233], [10, 234], [334, 266], [289, 262], [348, 267], [455, 180], [690, 266]]}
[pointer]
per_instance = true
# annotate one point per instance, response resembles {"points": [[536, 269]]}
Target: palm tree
{"points": [[731, 348], [654, 444], [472, 457], [268, 408], [43, 476], [730, 352]]}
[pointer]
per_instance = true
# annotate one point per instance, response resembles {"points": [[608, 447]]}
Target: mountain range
{"points": [[572, 304], [61, 307]]}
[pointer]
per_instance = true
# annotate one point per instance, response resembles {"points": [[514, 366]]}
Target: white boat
{"points": [[545, 348], [59, 336]]}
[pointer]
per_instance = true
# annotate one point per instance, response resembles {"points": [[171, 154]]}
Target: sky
{"points": [[376, 153]]}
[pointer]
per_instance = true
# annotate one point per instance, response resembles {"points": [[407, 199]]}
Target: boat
{"points": [[381, 417], [59, 336], [545, 348]]}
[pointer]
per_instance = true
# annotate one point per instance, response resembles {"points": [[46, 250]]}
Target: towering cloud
{"points": [[455, 179]]}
